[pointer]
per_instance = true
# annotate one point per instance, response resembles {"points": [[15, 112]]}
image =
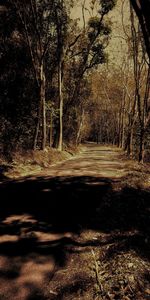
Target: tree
{"points": [[18, 90], [142, 9], [61, 28], [87, 52], [37, 22]]}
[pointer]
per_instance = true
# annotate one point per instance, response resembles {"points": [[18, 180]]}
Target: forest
{"points": [[75, 149], [61, 84]]}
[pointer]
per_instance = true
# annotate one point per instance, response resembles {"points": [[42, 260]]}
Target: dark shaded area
{"points": [[3, 169], [10, 274], [71, 204], [66, 203], [78, 287], [63, 204], [36, 294]]}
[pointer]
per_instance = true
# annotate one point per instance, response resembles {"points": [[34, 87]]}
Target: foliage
{"points": [[36, 34]]}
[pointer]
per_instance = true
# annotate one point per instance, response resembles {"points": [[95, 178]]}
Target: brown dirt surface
{"points": [[32, 162], [77, 230]]}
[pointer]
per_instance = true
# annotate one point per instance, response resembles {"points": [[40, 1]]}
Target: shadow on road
{"points": [[41, 216]]}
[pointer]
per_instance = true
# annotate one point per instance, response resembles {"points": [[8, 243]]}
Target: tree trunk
{"points": [[60, 140], [37, 126], [123, 119], [141, 150], [142, 9], [144, 116], [36, 133], [51, 130], [80, 128], [42, 99], [131, 141], [123, 131], [119, 126]]}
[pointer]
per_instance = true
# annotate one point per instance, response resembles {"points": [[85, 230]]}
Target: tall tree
{"points": [[142, 9], [37, 22], [61, 20], [88, 50]]}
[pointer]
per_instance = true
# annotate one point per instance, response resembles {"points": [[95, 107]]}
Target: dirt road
{"points": [[92, 161], [63, 226]]}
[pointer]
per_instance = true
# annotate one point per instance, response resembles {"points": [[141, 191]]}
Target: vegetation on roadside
{"points": [[27, 163]]}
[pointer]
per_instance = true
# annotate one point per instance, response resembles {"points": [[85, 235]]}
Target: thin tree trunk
{"points": [[141, 150], [123, 120], [141, 121], [142, 9], [129, 139], [36, 133], [35, 141], [123, 130], [42, 98], [60, 141], [80, 128], [131, 149], [51, 130], [144, 116], [118, 128]]}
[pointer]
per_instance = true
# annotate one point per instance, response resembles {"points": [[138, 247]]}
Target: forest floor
{"points": [[79, 230]]}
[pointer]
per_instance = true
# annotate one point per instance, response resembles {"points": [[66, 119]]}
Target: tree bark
{"points": [[36, 132], [60, 140], [141, 150], [51, 130], [80, 128], [142, 9], [42, 100]]}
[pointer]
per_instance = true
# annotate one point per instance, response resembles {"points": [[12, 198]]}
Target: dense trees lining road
{"points": [[58, 79]]}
